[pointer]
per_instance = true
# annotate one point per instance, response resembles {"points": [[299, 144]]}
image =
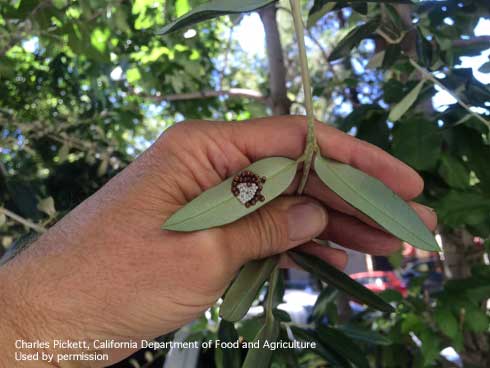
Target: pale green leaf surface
{"points": [[374, 199], [402, 107], [245, 288], [217, 206], [213, 9]]}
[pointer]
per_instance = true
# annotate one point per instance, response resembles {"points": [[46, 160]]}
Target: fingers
{"points": [[282, 224], [316, 189], [336, 257], [352, 233], [285, 136]]}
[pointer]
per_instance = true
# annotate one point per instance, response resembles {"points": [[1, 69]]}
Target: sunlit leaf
{"points": [[406, 103], [218, 206], [213, 9], [340, 280], [245, 288], [374, 199]]}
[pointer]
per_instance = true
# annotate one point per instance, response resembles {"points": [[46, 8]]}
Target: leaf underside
{"points": [[213, 9], [218, 206], [377, 201]]}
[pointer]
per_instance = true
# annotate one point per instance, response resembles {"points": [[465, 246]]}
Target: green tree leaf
{"points": [[463, 208], [218, 206], [365, 335], [417, 142], [353, 38], [446, 321], [230, 356], [325, 352], [374, 199], [343, 345], [406, 103], [260, 357], [340, 280], [454, 172], [241, 294], [213, 9], [485, 68]]}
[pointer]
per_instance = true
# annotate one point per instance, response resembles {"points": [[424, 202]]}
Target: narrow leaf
{"points": [[260, 357], [402, 107], [353, 38], [340, 280], [218, 206], [324, 351], [376, 61], [230, 356], [365, 335], [245, 288], [213, 9], [343, 345], [373, 198]]}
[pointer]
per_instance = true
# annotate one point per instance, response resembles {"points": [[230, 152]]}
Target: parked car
{"points": [[378, 281], [427, 269]]}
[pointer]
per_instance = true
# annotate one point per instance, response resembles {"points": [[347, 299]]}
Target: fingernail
{"points": [[305, 221]]}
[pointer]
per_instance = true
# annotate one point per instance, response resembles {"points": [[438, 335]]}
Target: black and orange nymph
{"points": [[247, 188]]}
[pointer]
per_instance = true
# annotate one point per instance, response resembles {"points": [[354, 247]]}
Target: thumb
{"points": [[277, 227]]}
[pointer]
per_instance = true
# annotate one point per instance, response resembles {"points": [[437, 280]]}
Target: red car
{"points": [[378, 281]]}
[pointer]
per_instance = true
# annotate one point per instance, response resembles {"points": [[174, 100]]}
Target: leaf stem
{"points": [[311, 144]]}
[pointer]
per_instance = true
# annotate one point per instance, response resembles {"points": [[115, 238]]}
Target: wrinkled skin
{"points": [[107, 270]]}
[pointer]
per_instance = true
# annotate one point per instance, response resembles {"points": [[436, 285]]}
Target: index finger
{"points": [[285, 136]]}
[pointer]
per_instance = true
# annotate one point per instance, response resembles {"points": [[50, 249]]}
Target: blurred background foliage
{"points": [[87, 85]]}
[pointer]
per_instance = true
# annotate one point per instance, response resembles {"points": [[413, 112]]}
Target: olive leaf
{"points": [[402, 107], [365, 335], [230, 357], [213, 9], [218, 206], [343, 345], [338, 279], [325, 351], [245, 288], [261, 356], [374, 199], [353, 38]]}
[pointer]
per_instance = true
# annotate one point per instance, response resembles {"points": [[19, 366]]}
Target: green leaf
{"points": [[230, 356], [365, 335], [245, 288], [446, 321], [463, 208], [476, 319], [326, 297], [406, 103], [322, 7], [343, 345], [218, 206], [340, 280], [374, 199], [260, 357], [417, 142], [353, 38], [485, 68], [325, 352], [376, 61], [213, 9], [454, 172]]}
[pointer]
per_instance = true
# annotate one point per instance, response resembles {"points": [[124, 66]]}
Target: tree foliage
{"points": [[87, 85]]}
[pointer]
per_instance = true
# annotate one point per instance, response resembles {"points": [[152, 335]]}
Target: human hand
{"points": [[107, 270]]}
